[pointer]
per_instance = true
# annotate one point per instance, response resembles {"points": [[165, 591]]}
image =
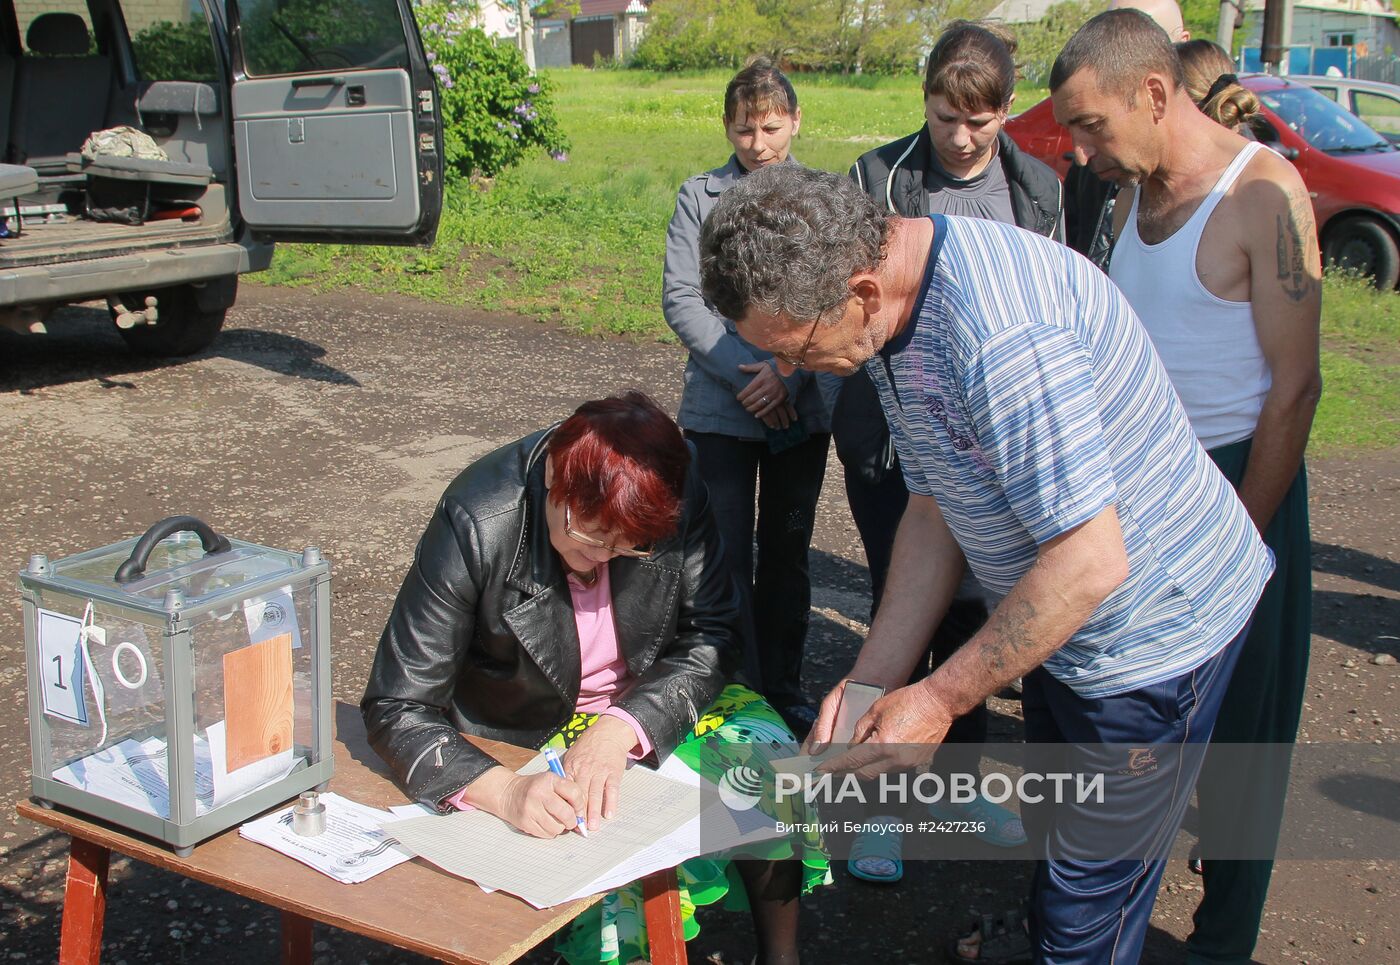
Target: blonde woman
{"points": [[1212, 84]]}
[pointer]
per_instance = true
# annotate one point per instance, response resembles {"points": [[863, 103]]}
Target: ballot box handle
{"points": [[135, 565]]}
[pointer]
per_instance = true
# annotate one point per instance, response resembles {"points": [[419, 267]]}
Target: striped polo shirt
{"points": [[1025, 397]]}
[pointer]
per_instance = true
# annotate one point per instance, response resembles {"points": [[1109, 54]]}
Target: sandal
{"points": [[994, 941], [875, 855], [1193, 861], [1003, 828]]}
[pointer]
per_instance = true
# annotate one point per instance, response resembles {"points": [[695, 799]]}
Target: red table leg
{"points": [[662, 903], [296, 939], [84, 903]]}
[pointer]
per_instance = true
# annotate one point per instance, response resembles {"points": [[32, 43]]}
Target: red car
{"points": [[1351, 172]]}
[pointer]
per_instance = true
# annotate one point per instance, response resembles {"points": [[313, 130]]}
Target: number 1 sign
{"points": [[61, 666]]}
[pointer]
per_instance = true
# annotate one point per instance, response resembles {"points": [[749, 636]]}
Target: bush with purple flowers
{"points": [[494, 111]]}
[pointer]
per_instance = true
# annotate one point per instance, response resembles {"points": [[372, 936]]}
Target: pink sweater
{"points": [[604, 671]]}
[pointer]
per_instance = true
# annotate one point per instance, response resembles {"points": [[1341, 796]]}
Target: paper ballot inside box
{"points": [[134, 773]]}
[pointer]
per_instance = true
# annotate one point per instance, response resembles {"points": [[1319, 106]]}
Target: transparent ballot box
{"points": [[179, 683]]}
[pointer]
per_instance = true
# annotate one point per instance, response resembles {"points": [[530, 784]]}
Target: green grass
{"points": [[581, 243], [1360, 407]]}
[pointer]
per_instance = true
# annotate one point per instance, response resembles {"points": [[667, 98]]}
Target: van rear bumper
{"points": [[75, 281]]}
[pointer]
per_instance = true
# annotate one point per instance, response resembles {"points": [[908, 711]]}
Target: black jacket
{"points": [[1089, 202], [482, 637], [894, 175]]}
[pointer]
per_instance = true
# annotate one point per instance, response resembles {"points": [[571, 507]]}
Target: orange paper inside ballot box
{"points": [[258, 701]]}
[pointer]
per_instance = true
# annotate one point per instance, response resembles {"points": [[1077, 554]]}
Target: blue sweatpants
{"points": [[1096, 911]]}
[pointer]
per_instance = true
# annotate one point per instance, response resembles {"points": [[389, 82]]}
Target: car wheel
{"points": [[181, 328], [1366, 246]]}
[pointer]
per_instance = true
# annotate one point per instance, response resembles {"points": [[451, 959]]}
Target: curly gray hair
{"points": [[786, 240]]}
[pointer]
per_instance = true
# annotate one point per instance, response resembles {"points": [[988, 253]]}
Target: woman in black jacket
{"points": [[961, 162], [570, 591]]}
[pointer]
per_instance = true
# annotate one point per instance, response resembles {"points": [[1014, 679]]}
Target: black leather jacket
{"points": [[1089, 203], [894, 175], [482, 636]]}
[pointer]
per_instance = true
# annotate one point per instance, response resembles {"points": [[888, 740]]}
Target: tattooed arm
{"points": [[1286, 296], [1073, 573]]}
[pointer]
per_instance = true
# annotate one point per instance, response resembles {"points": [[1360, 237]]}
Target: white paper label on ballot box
{"points": [[271, 615], [61, 667]]}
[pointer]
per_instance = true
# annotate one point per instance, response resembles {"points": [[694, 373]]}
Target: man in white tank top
{"points": [[1219, 259]]}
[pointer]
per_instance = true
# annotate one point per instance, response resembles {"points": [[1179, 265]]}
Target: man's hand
{"points": [[596, 762], [765, 395], [898, 733], [820, 735]]}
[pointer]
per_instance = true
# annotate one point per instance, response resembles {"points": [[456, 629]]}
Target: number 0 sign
{"points": [[61, 667]]}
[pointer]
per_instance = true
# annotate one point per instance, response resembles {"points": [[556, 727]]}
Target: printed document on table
{"points": [[353, 848], [482, 848], [718, 827]]}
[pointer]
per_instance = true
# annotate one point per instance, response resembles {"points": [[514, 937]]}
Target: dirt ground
{"points": [[337, 420]]}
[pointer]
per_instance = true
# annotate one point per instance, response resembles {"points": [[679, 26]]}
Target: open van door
{"points": [[336, 129]]}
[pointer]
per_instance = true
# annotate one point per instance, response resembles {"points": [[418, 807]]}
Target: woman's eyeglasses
{"points": [[586, 540]]}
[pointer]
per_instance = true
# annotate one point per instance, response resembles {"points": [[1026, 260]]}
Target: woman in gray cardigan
{"points": [[757, 433]]}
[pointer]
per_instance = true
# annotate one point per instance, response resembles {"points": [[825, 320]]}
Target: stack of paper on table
{"points": [[353, 848], [663, 818]]}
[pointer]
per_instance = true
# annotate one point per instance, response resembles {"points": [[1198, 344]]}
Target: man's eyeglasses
{"points": [[586, 540], [796, 360]]}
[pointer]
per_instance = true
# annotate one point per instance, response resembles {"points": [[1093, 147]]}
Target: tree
{"points": [[495, 110], [1200, 17], [1039, 43], [848, 36]]}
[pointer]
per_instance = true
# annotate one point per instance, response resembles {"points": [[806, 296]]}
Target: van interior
{"points": [[69, 69]]}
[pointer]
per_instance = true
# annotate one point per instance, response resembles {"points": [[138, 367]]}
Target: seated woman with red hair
{"points": [[569, 591]]}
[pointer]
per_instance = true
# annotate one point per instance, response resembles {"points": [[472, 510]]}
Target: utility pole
{"points": [[1273, 44], [526, 37], [1230, 14]]}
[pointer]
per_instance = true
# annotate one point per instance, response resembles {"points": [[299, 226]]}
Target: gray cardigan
{"points": [[712, 376]]}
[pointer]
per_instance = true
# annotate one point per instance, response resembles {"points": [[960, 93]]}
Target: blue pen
{"points": [[551, 757]]}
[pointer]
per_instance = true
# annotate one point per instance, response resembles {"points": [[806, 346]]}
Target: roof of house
{"points": [[1021, 11], [602, 8], [1367, 8]]}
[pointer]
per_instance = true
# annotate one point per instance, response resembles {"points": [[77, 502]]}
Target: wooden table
{"points": [[413, 906]]}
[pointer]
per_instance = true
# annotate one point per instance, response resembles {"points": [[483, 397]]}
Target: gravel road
{"points": [[336, 420]]}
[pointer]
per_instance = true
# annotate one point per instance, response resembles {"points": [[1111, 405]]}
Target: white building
{"points": [[1021, 11], [1368, 26], [599, 30], [498, 18]]}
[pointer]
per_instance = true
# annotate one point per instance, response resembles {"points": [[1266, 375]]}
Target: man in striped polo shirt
{"points": [[1044, 446]]}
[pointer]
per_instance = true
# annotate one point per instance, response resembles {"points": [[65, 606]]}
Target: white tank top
{"points": [[1208, 345]]}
